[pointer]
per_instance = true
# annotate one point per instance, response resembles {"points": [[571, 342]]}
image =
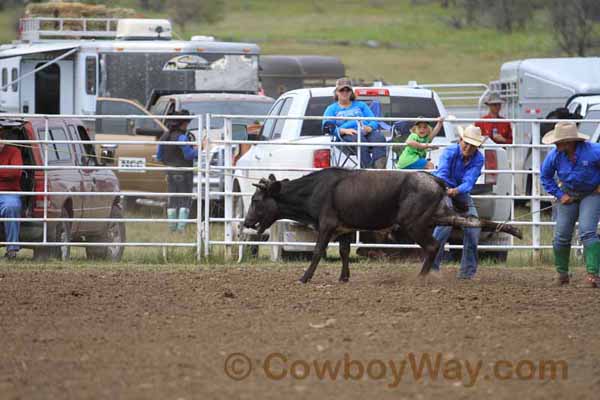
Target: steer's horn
{"points": [[262, 184]]}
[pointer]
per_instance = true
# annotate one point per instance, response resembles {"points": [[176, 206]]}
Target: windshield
{"points": [[228, 107], [393, 107]]}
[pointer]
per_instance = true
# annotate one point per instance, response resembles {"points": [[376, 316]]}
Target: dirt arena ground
{"points": [[160, 333]]}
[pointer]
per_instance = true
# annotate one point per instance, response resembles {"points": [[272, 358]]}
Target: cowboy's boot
{"points": [[172, 215], [184, 213], [592, 264], [561, 262], [380, 163]]}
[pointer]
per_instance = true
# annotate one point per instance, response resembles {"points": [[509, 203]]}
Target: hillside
{"points": [[414, 42]]}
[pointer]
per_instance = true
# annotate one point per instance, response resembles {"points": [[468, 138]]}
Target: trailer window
{"points": [[90, 75], [14, 76], [4, 79]]}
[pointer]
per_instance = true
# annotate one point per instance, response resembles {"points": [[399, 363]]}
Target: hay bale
{"points": [[77, 10]]}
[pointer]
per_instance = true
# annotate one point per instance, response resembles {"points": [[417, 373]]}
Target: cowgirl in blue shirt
{"points": [[576, 164], [346, 106], [460, 166]]}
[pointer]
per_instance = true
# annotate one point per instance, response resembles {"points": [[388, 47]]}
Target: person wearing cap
{"points": [[10, 204], [414, 155], [178, 156], [499, 132], [346, 105], [571, 173], [460, 166]]}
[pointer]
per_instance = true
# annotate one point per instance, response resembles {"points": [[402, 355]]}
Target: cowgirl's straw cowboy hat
{"points": [[472, 135], [493, 98], [564, 132]]}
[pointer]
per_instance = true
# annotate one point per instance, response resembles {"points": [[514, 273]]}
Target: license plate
{"points": [[132, 164]]}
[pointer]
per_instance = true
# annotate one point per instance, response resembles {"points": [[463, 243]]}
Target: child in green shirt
{"points": [[417, 144]]}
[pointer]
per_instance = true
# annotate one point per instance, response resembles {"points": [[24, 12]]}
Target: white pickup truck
{"points": [[320, 152]]}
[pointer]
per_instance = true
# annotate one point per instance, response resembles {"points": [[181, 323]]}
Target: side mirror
{"points": [[107, 154], [239, 132]]}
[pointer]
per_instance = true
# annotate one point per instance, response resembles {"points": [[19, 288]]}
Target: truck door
{"points": [[91, 204], [258, 155], [131, 157], [51, 91]]}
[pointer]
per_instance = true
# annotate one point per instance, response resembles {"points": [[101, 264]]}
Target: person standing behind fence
{"points": [[10, 204], [576, 164], [414, 155], [499, 132], [178, 156], [346, 105], [460, 166]]}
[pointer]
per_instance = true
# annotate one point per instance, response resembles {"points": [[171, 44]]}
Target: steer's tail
{"points": [[458, 221]]}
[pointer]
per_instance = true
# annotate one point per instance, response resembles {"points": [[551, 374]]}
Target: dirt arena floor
{"points": [[254, 333]]}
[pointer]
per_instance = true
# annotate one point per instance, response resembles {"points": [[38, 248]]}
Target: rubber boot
{"points": [[171, 215], [592, 263], [561, 261], [184, 213]]}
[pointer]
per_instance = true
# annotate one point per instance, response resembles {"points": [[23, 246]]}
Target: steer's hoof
{"points": [[344, 279], [304, 279]]}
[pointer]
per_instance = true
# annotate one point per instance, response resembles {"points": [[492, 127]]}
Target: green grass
{"points": [[429, 49]]}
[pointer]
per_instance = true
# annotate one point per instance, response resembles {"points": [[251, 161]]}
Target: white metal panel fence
{"points": [[204, 237]]}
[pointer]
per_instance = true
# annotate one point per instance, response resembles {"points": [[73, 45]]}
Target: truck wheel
{"points": [[62, 234], [115, 233]]}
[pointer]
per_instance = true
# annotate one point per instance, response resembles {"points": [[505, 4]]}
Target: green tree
{"points": [[574, 25]]}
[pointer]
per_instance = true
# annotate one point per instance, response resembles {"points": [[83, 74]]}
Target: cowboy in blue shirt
{"points": [[346, 105], [576, 164], [460, 166]]}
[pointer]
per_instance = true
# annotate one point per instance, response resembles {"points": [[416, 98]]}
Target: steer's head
{"points": [[263, 210]]}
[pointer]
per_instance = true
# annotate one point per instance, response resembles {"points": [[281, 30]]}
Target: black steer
{"points": [[337, 202]]}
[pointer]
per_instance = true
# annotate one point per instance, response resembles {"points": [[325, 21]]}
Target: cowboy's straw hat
{"points": [[472, 135], [563, 132], [493, 98]]}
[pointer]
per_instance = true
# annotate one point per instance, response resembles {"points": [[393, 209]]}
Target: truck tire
{"points": [[115, 233], [62, 233]]}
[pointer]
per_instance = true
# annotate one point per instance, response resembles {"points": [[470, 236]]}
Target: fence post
{"points": [[358, 142], [207, 189], [227, 199], [199, 190], [46, 135], [535, 190]]}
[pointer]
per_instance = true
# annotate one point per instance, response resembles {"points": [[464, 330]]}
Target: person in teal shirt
{"points": [[346, 105], [419, 141]]}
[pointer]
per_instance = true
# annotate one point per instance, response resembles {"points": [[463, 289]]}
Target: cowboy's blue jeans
{"points": [[587, 211], [468, 263], [10, 207], [368, 155]]}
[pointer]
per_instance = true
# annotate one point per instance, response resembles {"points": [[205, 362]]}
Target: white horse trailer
{"points": [[533, 88], [61, 65]]}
